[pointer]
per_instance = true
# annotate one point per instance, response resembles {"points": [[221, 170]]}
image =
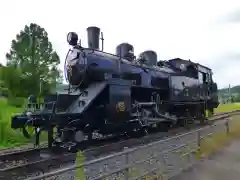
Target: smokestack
{"points": [[93, 37]]}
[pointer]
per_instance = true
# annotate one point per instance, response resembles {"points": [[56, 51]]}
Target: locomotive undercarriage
{"points": [[146, 118]]}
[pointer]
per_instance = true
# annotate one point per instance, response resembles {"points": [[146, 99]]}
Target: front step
{"points": [[86, 98]]}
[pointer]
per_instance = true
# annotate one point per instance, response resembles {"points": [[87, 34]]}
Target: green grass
{"points": [[8, 136], [227, 108]]}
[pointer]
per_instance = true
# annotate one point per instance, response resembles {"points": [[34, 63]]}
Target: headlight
{"points": [[72, 38]]}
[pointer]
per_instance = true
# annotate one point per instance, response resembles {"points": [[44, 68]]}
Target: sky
{"points": [[204, 31]]}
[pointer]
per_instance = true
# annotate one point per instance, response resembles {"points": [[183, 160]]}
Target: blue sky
{"points": [[205, 31]]}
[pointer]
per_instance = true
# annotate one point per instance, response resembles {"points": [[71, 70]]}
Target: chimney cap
{"points": [[93, 27]]}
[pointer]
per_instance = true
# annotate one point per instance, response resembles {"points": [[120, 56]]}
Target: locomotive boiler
{"points": [[120, 93]]}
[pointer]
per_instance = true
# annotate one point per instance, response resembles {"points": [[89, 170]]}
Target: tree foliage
{"points": [[11, 80], [31, 63], [237, 99]]}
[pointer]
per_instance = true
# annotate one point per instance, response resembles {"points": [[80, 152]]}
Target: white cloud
{"points": [[186, 29]]}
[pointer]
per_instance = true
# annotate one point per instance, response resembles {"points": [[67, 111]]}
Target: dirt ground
{"points": [[224, 165]]}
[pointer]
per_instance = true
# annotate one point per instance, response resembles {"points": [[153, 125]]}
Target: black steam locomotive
{"points": [[121, 94]]}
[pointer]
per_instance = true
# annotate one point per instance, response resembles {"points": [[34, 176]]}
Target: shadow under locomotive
{"points": [[121, 94]]}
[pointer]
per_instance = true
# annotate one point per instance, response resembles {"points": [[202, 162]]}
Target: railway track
{"points": [[32, 162]]}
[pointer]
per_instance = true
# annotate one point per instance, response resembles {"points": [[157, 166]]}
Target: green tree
{"points": [[237, 98], [11, 79], [33, 60]]}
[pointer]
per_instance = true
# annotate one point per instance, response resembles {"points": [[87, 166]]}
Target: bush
{"points": [[3, 92], [8, 136], [16, 102]]}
